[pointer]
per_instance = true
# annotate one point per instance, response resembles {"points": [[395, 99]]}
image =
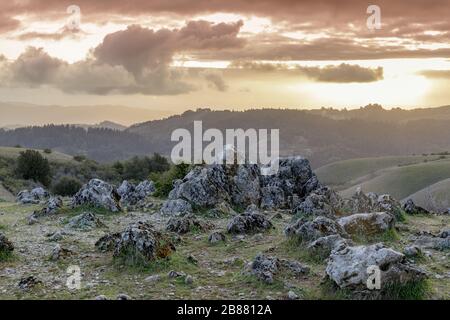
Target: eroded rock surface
{"points": [[98, 193]]}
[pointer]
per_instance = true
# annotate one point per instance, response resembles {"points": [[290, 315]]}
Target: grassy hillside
{"points": [[402, 181], [345, 174], [435, 197], [11, 152]]}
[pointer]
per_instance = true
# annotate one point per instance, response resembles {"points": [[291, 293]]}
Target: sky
{"points": [[238, 54]]}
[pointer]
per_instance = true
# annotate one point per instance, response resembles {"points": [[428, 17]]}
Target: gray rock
{"points": [[185, 224], [431, 241], [264, 268], [98, 193], [307, 231], [131, 194], [216, 237], [55, 236], [292, 296], [153, 279], [101, 297], [367, 224], [411, 208], [29, 283], [122, 296], [107, 242], [34, 196], [294, 266], [59, 252], [322, 201], [51, 207], [322, 247], [85, 221], [176, 207], [249, 222], [372, 202], [189, 280], [412, 251], [140, 244], [348, 267]]}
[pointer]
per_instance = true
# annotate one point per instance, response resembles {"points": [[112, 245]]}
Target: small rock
{"points": [[101, 297], [153, 279], [216, 237], [122, 296], [189, 280], [292, 296]]}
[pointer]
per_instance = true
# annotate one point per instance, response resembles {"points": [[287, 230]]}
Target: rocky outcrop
{"points": [[107, 242], [242, 185], [176, 207], [411, 208], [6, 246], [34, 196], [182, 225], [321, 202], [131, 194], [308, 231], [367, 224], [98, 193], [250, 221], [371, 202], [265, 268], [428, 240], [348, 268], [51, 207], [322, 247], [140, 244], [85, 221], [216, 237]]}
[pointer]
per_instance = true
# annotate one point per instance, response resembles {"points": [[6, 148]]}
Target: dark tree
{"points": [[32, 165], [67, 186]]}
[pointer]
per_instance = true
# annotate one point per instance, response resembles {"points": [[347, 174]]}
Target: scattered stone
{"points": [[59, 252], [55, 236], [176, 207], [185, 224], [107, 242], [431, 241], [412, 251], [294, 266], [347, 268], [249, 222], [322, 201], [51, 207], [101, 297], [85, 221], [367, 224], [292, 296], [411, 208], [29, 283], [189, 280], [140, 244], [131, 194], [34, 196], [216, 237], [99, 194], [122, 296], [153, 279], [322, 247], [306, 231], [264, 268], [175, 274]]}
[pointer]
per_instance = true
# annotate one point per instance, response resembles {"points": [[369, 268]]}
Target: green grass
{"points": [[417, 290], [6, 256], [13, 153]]}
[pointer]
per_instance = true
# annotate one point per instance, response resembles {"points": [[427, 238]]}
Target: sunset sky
{"points": [[183, 54]]}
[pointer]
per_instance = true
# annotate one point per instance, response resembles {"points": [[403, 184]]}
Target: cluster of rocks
{"points": [[138, 244], [99, 194], [206, 187], [251, 221], [51, 207], [85, 221], [427, 240], [411, 208], [131, 194], [370, 202], [265, 268], [188, 223], [35, 196]]}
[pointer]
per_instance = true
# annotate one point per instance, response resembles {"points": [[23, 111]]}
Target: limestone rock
{"points": [[216, 237], [34, 196], [98, 193], [85, 221], [249, 222], [367, 224], [411, 208], [185, 224], [307, 231]]}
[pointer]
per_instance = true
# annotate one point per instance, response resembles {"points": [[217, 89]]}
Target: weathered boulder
{"points": [[59, 252], [216, 237], [348, 268], [85, 221], [185, 224], [367, 224], [411, 208], [250, 221], [307, 231], [322, 201], [322, 247], [176, 207], [205, 187], [51, 207], [34, 196], [131, 194], [107, 242], [371, 202], [6, 246], [98, 193], [428, 240], [29, 283], [139, 243]]}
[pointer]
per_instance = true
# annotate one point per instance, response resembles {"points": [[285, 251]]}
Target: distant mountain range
{"points": [[324, 136], [13, 114]]}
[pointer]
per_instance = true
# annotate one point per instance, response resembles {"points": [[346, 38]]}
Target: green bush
{"points": [[48, 151], [32, 165], [164, 181], [139, 168], [67, 186], [79, 158]]}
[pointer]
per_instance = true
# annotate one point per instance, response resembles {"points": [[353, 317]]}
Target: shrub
{"points": [[67, 186], [164, 181], [79, 158], [48, 151], [32, 165], [139, 168]]}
